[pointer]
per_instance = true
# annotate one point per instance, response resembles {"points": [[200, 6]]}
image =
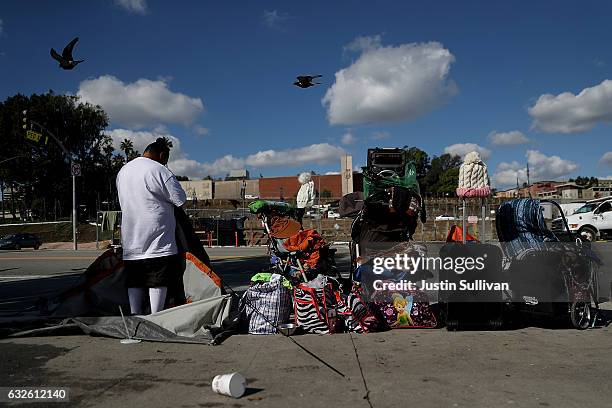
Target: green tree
{"points": [[43, 170], [420, 160], [443, 174], [127, 147]]}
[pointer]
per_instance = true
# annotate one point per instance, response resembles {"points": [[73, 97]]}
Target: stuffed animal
{"points": [[473, 177]]}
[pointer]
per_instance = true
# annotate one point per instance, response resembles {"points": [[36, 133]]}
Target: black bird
{"points": [[65, 60], [305, 81]]}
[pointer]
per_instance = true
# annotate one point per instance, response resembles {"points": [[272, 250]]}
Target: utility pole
{"points": [[74, 169]]}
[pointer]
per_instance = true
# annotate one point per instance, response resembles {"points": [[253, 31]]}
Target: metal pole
{"points": [[74, 212], [484, 214], [463, 232], [97, 233]]}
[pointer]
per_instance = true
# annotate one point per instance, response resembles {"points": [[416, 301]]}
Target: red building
{"points": [[275, 188]]}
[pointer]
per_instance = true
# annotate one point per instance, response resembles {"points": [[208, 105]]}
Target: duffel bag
{"points": [[314, 307], [266, 305], [355, 312]]}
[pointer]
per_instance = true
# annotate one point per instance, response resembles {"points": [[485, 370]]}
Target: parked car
{"points": [[18, 241], [592, 220], [333, 214]]}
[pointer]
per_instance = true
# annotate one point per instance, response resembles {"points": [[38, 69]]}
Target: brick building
{"points": [[275, 188]]}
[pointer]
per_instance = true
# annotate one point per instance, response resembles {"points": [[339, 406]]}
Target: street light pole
{"points": [[74, 209], [70, 158]]}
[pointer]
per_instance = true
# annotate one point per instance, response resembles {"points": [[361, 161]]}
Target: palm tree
{"points": [[127, 147]]}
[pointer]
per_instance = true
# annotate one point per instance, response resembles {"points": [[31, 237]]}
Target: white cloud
{"points": [[541, 167], [141, 103], [133, 6], [569, 113], [201, 130], [274, 19], [181, 164], [606, 159], [390, 84], [461, 149], [141, 139], [381, 135], [364, 43], [512, 138], [332, 173], [348, 139]]}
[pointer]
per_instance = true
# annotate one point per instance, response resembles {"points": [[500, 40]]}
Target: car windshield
{"points": [[585, 208]]}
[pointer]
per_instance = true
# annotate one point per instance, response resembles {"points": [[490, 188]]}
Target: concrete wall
{"points": [[230, 190], [203, 189]]}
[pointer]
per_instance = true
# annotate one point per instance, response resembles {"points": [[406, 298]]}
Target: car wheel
{"points": [[588, 233], [36, 246]]}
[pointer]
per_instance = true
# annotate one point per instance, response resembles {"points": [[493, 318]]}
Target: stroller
{"points": [[552, 277], [306, 255], [391, 204]]}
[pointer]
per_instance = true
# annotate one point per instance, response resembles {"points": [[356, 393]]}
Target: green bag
{"points": [[375, 184], [277, 207]]}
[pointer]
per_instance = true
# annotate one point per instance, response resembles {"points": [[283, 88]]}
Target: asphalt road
{"points": [[234, 265]]}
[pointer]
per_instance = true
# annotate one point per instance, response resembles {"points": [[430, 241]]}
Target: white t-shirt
{"points": [[147, 193]]}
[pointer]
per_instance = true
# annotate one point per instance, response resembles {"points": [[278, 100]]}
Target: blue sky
{"points": [[217, 77]]}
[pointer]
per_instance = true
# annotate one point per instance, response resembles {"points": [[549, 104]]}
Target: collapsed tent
{"points": [[92, 305]]}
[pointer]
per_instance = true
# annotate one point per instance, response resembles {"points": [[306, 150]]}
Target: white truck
{"points": [[593, 220]]}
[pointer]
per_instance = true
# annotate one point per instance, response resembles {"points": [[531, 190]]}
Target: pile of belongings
{"points": [[319, 306], [393, 199], [399, 306]]}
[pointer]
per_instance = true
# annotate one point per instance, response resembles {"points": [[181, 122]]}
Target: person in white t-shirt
{"points": [[148, 192]]}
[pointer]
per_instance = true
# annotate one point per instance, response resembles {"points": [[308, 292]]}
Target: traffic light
{"points": [[25, 119]]}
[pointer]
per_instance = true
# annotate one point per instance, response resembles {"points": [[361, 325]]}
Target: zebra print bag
{"points": [[354, 311], [314, 308]]}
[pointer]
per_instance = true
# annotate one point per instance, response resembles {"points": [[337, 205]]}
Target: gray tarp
{"points": [[92, 305]]}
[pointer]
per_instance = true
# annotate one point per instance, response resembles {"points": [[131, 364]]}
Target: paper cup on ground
{"points": [[232, 385]]}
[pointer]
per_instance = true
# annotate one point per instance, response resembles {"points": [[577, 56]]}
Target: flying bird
{"points": [[305, 81], [66, 61]]}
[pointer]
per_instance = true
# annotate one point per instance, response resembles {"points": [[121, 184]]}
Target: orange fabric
{"points": [[308, 242], [456, 235], [202, 267]]}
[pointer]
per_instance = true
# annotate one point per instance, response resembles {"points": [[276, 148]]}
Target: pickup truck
{"points": [[593, 220]]}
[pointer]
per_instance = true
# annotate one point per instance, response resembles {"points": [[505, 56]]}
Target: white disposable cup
{"points": [[232, 385]]}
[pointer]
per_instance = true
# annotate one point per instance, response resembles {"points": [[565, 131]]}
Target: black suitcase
{"points": [[474, 308]]}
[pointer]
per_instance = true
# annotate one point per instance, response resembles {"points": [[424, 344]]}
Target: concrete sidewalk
{"points": [[416, 368]]}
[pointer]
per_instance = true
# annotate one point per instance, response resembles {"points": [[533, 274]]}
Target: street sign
{"points": [[472, 219], [76, 169], [34, 136]]}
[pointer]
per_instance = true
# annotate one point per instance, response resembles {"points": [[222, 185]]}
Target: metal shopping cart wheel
{"points": [[580, 315]]}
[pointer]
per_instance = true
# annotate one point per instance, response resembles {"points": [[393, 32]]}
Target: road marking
{"points": [[219, 257], [22, 277], [48, 258]]}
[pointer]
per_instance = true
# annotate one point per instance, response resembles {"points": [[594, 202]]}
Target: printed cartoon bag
{"points": [[314, 308], [404, 309], [355, 312]]}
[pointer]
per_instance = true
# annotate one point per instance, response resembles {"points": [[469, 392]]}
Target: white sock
{"points": [[136, 295], [157, 297]]}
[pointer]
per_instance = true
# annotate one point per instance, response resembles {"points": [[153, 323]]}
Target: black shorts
{"points": [[152, 272]]}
